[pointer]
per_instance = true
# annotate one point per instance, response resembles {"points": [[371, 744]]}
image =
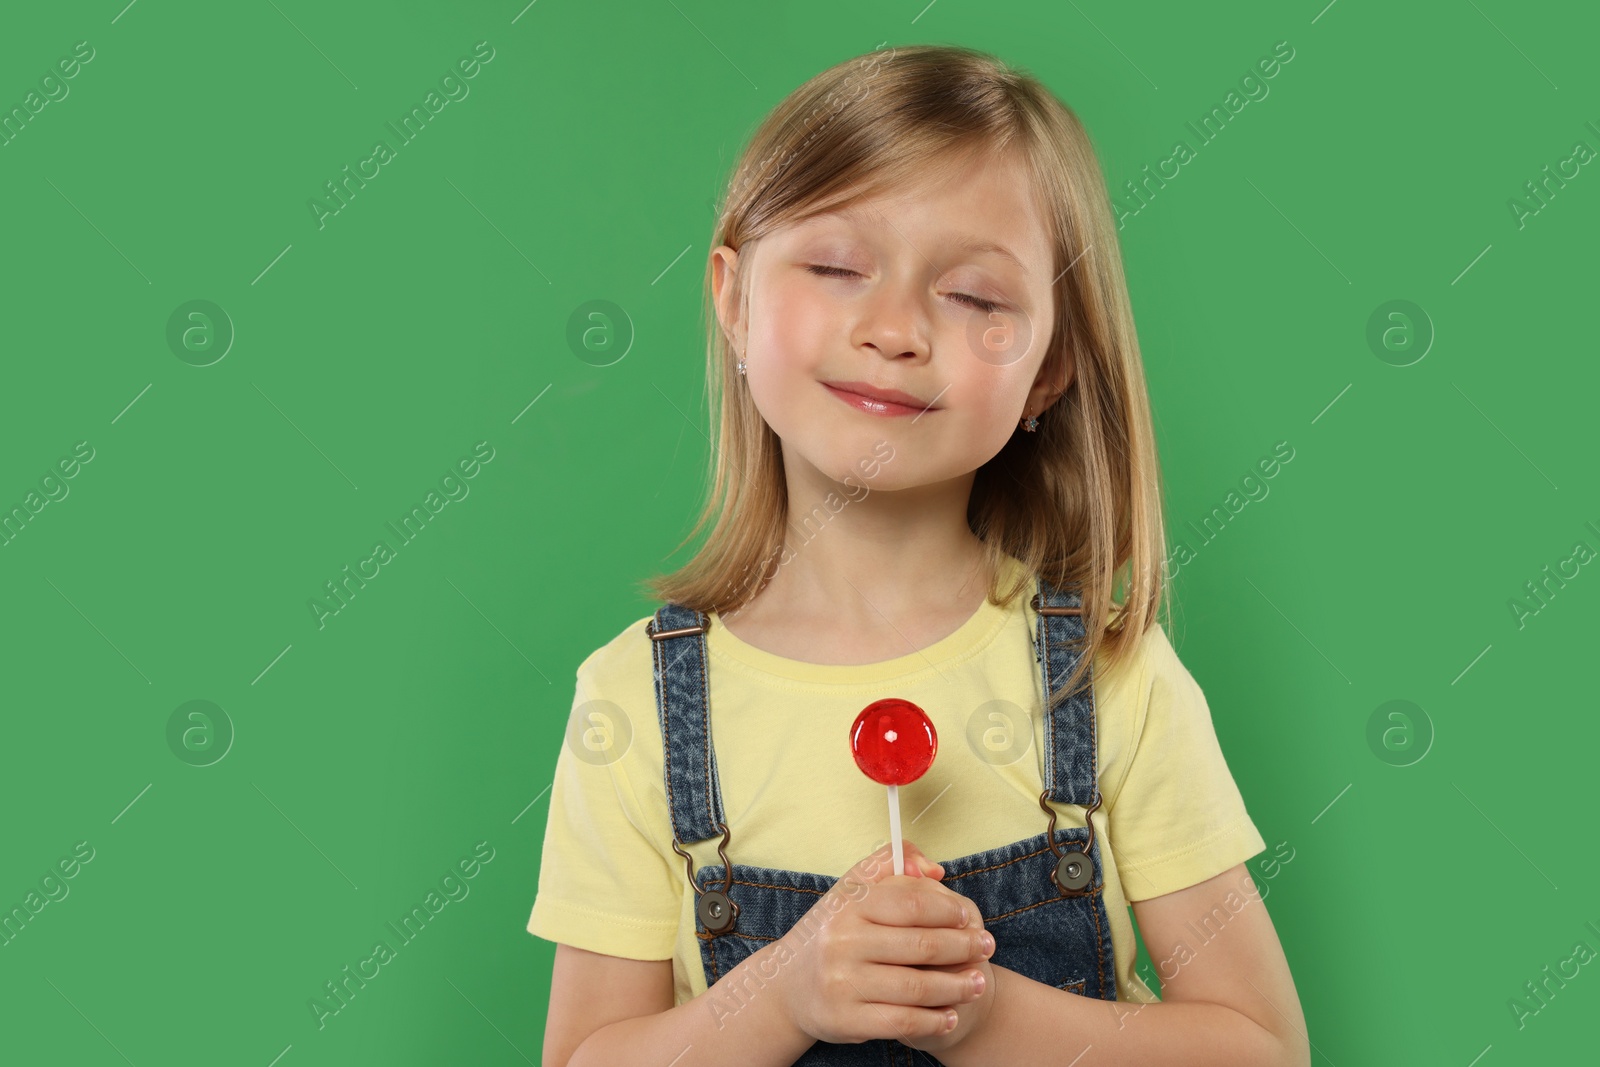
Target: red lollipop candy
{"points": [[894, 743]]}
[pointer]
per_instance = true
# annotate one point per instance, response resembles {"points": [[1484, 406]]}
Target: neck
{"points": [[866, 555]]}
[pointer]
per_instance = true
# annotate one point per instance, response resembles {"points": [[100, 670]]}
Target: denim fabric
{"points": [[1053, 936]]}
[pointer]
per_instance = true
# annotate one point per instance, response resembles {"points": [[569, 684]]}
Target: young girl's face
{"points": [[891, 293]]}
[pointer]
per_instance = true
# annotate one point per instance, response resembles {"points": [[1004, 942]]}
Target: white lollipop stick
{"points": [[894, 829]]}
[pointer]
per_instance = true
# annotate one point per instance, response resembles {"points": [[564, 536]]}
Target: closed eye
{"points": [[971, 301]]}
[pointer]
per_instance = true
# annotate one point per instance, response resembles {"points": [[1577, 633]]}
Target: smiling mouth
{"points": [[876, 405]]}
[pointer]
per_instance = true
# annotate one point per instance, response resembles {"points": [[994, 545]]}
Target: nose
{"points": [[894, 322]]}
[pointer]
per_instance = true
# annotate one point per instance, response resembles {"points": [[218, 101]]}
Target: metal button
{"points": [[715, 911], [1073, 871]]}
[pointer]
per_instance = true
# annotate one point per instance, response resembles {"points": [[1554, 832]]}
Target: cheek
{"points": [[993, 425], [786, 353], [792, 343], [993, 396], [789, 327], [988, 409]]}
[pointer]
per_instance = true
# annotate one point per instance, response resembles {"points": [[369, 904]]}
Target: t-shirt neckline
{"points": [[970, 637]]}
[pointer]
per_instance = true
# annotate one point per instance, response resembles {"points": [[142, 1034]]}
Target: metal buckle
{"points": [[1045, 609], [650, 628], [715, 909], [1077, 865]]}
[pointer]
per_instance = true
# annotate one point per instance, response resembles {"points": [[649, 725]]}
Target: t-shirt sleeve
{"points": [[604, 881], [1177, 818]]}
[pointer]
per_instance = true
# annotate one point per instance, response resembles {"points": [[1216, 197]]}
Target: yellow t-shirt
{"points": [[793, 797]]}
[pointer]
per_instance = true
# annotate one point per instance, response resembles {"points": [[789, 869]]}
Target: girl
{"points": [[936, 479]]}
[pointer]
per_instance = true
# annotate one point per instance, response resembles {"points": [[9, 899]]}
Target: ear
{"points": [[724, 265], [1054, 376]]}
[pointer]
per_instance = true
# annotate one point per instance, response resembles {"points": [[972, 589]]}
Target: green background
{"points": [[371, 753]]}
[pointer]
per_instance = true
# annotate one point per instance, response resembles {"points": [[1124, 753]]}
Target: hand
{"points": [[882, 955], [969, 1016], [973, 1014]]}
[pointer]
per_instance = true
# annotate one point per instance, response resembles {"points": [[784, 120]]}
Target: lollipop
{"points": [[894, 744]]}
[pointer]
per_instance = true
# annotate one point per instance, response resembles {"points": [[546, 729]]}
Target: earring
{"points": [[1031, 424], [741, 364]]}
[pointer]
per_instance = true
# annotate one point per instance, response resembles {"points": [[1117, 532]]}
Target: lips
{"points": [[877, 400]]}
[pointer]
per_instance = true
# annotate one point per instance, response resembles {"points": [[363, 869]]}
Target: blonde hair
{"points": [[1079, 501]]}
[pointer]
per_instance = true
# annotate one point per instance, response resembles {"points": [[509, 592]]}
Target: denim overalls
{"points": [[1041, 897]]}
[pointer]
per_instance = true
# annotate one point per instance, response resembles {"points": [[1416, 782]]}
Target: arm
{"points": [[1228, 999], [606, 1010]]}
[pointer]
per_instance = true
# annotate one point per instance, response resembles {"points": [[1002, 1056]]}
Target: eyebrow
{"points": [[978, 245], [963, 242]]}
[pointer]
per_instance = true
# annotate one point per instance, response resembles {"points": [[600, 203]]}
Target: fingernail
{"points": [[988, 944], [977, 982], [950, 1020]]}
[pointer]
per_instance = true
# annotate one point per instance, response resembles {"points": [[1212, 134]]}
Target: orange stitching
{"points": [[1049, 692], [992, 866], [1097, 907], [1094, 732], [752, 937], [995, 866], [1038, 904], [1099, 947], [769, 885], [1083, 895], [705, 721], [666, 740]]}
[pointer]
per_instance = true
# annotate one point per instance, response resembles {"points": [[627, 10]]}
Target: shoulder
{"points": [[619, 655], [1164, 689], [1149, 705], [617, 680], [1148, 660], [1158, 662], [1176, 815], [1167, 730], [614, 702]]}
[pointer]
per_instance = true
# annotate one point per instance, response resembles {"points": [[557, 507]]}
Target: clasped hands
{"points": [[899, 957]]}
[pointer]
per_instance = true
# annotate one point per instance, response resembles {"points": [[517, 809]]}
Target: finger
{"points": [[915, 856], [907, 1023], [915, 902], [872, 867], [916, 864], [880, 864], [923, 946], [913, 987]]}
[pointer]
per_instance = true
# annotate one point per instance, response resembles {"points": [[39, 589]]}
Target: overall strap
{"points": [[1069, 746], [678, 637]]}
